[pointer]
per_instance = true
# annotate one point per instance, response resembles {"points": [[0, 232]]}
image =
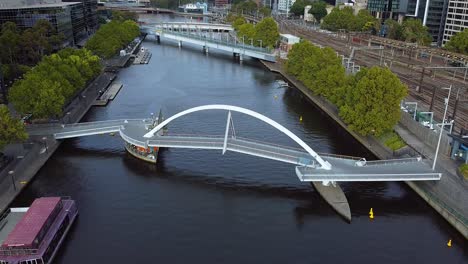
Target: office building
{"points": [[66, 18], [90, 13], [432, 13], [457, 18]]}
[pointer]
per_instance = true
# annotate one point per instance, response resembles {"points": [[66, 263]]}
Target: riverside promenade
{"points": [[29, 157], [447, 196]]}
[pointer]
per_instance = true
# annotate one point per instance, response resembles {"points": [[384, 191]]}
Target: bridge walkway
{"points": [[343, 168], [213, 43]]}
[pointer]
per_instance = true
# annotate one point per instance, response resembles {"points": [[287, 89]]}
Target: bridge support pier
{"points": [[158, 39], [180, 43], [205, 50]]}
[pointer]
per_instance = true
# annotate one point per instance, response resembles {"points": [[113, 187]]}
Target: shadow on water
{"points": [[343, 142]]}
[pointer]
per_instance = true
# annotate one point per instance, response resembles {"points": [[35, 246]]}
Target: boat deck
{"points": [[8, 223]]}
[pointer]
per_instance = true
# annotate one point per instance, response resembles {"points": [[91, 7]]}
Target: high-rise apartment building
{"points": [[457, 18], [284, 6]]}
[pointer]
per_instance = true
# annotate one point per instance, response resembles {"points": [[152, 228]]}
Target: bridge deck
{"points": [[343, 168], [212, 43]]}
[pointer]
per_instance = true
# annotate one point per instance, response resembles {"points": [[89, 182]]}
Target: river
{"points": [[198, 206]]}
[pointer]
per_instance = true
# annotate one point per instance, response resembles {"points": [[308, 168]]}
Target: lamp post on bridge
{"points": [[443, 125], [260, 43], [251, 41]]}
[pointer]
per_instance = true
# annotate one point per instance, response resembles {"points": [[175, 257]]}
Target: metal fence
{"points": [[428, 136]]}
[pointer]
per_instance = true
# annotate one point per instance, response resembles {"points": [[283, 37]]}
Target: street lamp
{"points": [[251, 41], [443, 125], [260, 43], [44, 139], [12, 179]]}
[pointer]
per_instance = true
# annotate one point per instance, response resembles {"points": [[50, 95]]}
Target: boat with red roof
{"points": [[33, 235]]}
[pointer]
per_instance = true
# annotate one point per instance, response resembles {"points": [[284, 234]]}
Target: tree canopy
{"points": [[112, 37], [266, 30], [319, 69], [246, 7], [20, 48], [368, 101], [414, 31], [124, 15], [458, 42], [372, 106], [393, 29], [11, 129], [298, 7], [319, 10], [344, 18], [46, 89]]}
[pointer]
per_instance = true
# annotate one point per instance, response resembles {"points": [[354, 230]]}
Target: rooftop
{"points": [[33, 4], [32, 222]]}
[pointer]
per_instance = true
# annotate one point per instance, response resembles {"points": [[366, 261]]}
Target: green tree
{"points": [[124, 15], [246, 31], [53, 82], [319, 69], [319, 10], [394, 29], [458, 42], [364, 21], [372, 104], [264, 11], [11, 129], [298, 7], [9, 41], [239, 21], [414, 31], [111, 37], [267, 31], [340, 19]]}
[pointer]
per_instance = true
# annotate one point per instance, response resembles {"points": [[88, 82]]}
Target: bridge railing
{"points": [[217, 41]]}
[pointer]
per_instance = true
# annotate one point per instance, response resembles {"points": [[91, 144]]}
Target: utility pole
{"points": [[443, 125]]}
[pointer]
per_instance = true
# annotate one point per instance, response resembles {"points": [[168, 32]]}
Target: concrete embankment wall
{"points": [[433, 193]]}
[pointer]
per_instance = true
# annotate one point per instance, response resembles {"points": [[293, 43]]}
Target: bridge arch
{"points": [[324, 164]]}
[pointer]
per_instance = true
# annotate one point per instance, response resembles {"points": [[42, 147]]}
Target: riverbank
{"points": [[447, 196]]}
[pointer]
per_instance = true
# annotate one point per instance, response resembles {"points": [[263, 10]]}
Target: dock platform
{"points": [[108, 95], [143, 56]]}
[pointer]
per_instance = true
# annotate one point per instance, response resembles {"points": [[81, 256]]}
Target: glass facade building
{"points": [[433, 17], [90, 14], [66, 18]]}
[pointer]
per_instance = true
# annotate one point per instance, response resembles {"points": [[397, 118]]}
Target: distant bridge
{"points": [[310, 166], [236, 47], [191, 26]]}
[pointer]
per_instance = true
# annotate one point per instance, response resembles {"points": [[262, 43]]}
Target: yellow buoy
{"points": [[276, 97], [371, 214], [300, 119], [449, 244], [23, 182]]}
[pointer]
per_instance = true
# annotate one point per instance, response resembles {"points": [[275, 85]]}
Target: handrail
{"points": [[192, 36]]}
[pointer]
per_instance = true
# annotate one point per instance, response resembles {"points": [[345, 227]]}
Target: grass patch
{"points": [[392, 140], [464, 170]]}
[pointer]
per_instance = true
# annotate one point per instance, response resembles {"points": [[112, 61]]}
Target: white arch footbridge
{"points": [[310, 165]]}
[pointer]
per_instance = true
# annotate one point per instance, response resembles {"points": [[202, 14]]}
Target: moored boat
{"points": [[33, 235]]}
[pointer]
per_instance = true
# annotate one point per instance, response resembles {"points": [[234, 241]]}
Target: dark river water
{"points": [[198, 206]]}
